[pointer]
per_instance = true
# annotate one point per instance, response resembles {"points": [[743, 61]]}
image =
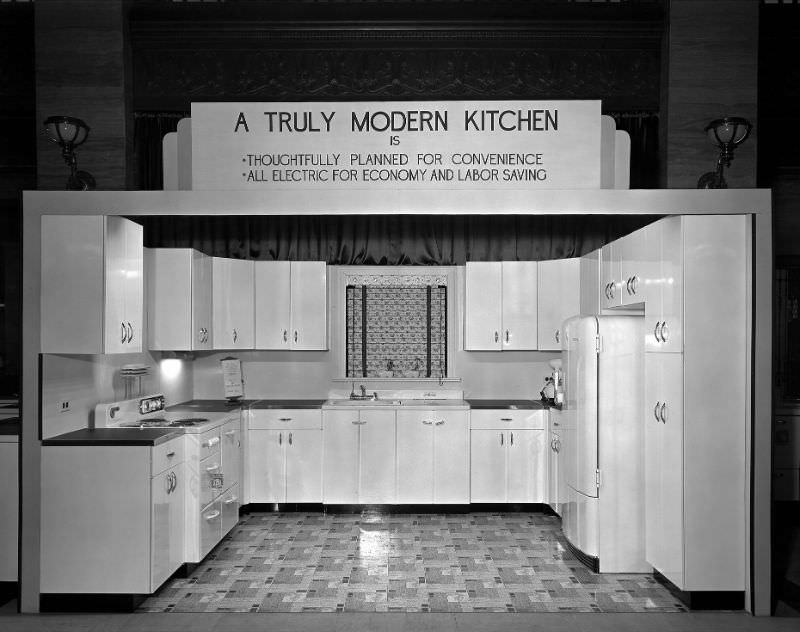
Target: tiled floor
{"points": [[370, 562]]}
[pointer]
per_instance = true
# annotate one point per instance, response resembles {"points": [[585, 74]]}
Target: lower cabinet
{"points": [[285, 466], [507, 456], [432, 457], [358, 456]]}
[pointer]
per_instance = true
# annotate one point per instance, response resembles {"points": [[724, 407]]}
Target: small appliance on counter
{"points": [[553, 391]]}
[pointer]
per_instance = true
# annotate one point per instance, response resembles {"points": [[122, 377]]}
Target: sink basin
{"points": [[363, 402]]}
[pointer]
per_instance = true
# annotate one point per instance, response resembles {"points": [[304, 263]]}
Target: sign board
{"points": [[400, 144]]}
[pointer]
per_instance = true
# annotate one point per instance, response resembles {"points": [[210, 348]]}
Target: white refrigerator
{"points": [[603, 441]]}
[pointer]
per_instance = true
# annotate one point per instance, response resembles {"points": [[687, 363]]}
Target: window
{"points": [[396, 330]]}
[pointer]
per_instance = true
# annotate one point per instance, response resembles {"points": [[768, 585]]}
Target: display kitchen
{"points": [[398, 408]]}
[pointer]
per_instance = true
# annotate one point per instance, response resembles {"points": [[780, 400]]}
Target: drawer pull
{"points": [[170, 454], [285, 419], [211, 468], [231, 500], [440, 422], [506, 419], [230, 433], [427, 423], [212, 515], [210, 443]]}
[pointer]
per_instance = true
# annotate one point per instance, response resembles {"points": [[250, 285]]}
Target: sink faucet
{"points": [[363, 391]]}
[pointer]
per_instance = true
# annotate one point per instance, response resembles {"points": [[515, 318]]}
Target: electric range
{"points": [[149, 412]]}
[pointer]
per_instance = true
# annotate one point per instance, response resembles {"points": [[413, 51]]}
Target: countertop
{"points": [[210, 406], [266, 404], [506, 404], [115, 436], [10, 426]]}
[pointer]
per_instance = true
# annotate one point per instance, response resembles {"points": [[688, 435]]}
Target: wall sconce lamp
{"points": [[69, 132], [725, 133]]}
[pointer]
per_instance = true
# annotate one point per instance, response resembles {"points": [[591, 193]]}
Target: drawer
{"points": [[286, 419], [230, 502], [210, 442], [208, 467], [168, 455], [210, 527], [501, 419]]}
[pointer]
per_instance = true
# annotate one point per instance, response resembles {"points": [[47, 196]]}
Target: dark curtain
{"points": [[643, 130], [390, 239], [149, 129]]}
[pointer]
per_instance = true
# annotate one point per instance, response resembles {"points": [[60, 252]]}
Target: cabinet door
{"points": [[272, 304], [414, 457], [526, 466], [167, 524], [377, 478], [664, 322], [169, 299], [201, 329], [483, 306], [553, 496], [559, 298], [233, 304], [488, 466], [231, 453], [451, 458], [340, 456], [134, 285], [611, 284], [309, 305], [520, 304], [304, 466], [116, 265], [266, 480], [634, 249], [653, 466]]}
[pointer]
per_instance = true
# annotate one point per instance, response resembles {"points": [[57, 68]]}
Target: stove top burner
{"points": [[161, 422]]}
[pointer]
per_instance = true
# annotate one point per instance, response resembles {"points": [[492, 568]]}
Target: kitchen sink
{"points": [[363, 402]]}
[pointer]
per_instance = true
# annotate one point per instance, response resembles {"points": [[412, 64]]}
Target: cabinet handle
{"points": [[295, 335], [553, 445], [124, 334], [501, 438], [656, 330], [235, 335], [130, 333], [506, 419], [558, 445], [663, 413], [634, 283], [211, 442], [496, 336], [605, 290], [555, 423], [170, 454], [427, 423], [655, 410], [628, 286], [211, 468], [557, 336], [440, 422], [612, 289], [285, 336], [508, 337], [168, 483], [512, 438], [290, 438], [230, 433], [231, 500], [212, 515], [280, 438], [359, 423], [664, 332], [285, 419]]}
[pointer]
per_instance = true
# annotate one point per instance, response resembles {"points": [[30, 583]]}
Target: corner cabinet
{"points": [[559, 298], [178, 299], [501, 306], [291, 305], [92, 285], [233, 310]]}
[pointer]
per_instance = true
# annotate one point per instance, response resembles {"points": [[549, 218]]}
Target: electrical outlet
{"points": [[64, 406]]}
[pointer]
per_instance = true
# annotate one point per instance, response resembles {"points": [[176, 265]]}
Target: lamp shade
{"points": [[729, 131], [66, 130]]}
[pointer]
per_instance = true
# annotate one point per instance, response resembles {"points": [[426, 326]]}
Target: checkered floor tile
{"points": [[375, 562]]}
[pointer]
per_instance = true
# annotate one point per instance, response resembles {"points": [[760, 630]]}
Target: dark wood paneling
{"points": [[80, 72], [713, 56]]}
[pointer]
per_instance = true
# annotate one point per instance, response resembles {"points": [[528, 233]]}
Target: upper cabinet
{"points": [[178, 299], [610, 275], [291, 305], [559, 298], [92, 284], [664, 307], [501, 306], [233, 311]]}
